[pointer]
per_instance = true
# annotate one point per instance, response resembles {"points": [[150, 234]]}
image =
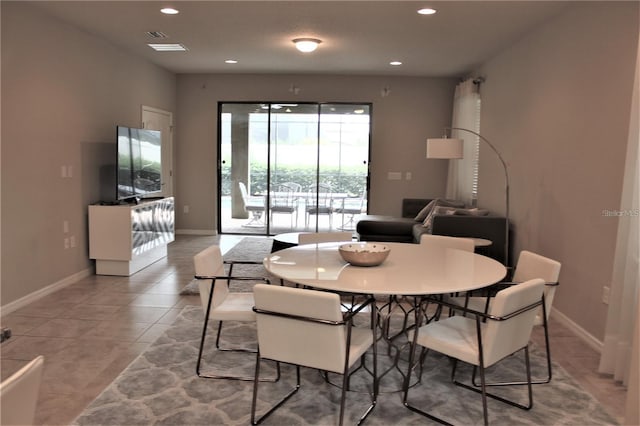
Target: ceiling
{"points": [[358, 37]]}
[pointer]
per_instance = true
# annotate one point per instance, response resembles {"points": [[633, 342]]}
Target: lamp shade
{"points": [[445, 148]]}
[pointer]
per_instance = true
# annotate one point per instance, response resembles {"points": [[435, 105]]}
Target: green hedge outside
{"points": [[346, 180]]}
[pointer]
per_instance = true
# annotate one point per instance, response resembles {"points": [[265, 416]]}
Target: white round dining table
{"points": [[410, 269]]}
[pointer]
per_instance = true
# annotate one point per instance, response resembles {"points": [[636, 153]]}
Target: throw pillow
{"points": [[428, 222], [422, 214]]}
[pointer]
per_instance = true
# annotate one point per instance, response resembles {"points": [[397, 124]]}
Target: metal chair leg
{"points": [[482, 390], [407, 385], [528, 382], [255, 421], [540, 381], [200, 374]]}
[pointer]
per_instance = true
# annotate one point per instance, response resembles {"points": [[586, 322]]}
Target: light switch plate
{"points": [[394, 176]]}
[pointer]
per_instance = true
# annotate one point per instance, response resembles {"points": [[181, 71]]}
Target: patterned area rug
{"points": [[161, 388], [248, 249]]}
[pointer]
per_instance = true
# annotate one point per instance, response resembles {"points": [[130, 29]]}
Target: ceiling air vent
{"points": [[156, 34]]}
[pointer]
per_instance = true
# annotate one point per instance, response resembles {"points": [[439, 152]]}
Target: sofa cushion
{"points": [[385, 229], [387, 226], [472, 212]]}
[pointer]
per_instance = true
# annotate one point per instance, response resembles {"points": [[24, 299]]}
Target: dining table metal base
{"points": [[396, 321]]}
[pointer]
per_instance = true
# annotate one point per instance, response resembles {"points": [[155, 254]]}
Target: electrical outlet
{"points": [[66, 243], [606, 290], [185, 209], [72, 241], [408, 176]]}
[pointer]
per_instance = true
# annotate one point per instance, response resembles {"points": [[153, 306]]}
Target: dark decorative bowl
{"points": [[364, 254]]}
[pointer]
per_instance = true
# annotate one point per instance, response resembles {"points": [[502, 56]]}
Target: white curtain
{"points": [[462, 182], [623, 303]]}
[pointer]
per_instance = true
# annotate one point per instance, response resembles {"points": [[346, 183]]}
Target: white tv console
{"points": [[124, 239]]}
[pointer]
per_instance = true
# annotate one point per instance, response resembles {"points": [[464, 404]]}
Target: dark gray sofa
{"points": [[407, 230]]}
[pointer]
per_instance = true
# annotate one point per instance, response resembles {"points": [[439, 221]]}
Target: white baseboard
{"points": [[196, 232], [39, 294], [580, 332]]}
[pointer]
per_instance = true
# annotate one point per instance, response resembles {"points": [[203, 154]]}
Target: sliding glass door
{"points": [[287, 167]]}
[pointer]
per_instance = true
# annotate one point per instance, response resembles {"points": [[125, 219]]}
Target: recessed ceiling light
{"points": [[230, 61], [426, 11], [306, 45], [168, 47], [395, 63], [169, 11]]}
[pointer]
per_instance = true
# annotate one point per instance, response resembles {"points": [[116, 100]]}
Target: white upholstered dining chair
{"points": [[459, 243], [482, 340], [329, 237], [324, 237], [219, 303], [19, 394], [529, 266], [307, 328]]}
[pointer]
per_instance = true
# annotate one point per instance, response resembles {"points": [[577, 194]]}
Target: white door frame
{"points": [[150, 117]]}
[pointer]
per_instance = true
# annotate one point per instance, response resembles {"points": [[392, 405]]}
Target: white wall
{"points": [[415, 109], [557, 106], [63, 92]]}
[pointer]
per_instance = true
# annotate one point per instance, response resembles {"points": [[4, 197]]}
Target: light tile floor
{"points": [[91, 330]]}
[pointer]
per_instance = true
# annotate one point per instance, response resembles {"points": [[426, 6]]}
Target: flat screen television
{"points": [[139, 163]]}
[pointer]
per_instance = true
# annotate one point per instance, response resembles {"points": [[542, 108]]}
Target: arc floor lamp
{"points": [[452, 148]]}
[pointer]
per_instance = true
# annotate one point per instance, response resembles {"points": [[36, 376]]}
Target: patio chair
{"points": [[253, 205], [285, 201], [319, 202], [352, 207]]}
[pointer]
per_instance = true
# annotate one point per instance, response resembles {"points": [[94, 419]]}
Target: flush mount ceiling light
{"points": [[306, 45], [426, 11], [395, 63], [230, 61], [169, 11], [168, 47]]}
